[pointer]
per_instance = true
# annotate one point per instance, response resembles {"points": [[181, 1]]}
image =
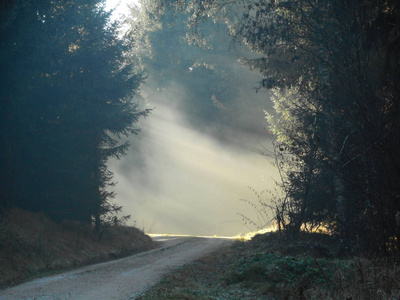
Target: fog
{"points": [[197, 154], [178, 179]]}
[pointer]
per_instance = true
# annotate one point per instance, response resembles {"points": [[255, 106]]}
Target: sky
{"points": [[120, 6], [182, 176]]}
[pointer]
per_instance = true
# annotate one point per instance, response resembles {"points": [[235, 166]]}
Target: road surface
{"points": [[120, 279]]}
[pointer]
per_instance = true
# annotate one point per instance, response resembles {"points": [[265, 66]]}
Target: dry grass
{"points": [[31, 245]]}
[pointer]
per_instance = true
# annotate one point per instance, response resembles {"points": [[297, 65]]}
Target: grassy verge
{"points": [[31, 245], [269, 267]]}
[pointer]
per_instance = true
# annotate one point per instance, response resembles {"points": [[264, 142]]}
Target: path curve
{"points": [[120, 279]]}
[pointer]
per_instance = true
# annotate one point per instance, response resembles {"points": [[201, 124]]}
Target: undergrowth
{"points": [[273, 267], [32, 245]]}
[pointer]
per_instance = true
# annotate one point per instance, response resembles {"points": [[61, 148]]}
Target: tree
{"points": [[333, 48], [176, 60], [340, 58], [298, 156], [68, 98]]}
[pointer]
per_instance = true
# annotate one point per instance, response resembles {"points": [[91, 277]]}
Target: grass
{"points": [[31, 245], [271, 267], [200, 280]]}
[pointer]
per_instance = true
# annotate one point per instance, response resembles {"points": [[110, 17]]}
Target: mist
{"points": [[197, 154], [181, 179]]}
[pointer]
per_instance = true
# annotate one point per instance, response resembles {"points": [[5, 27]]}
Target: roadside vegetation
{"points": [[271, 266], [332, 108], [70, 91], [66, 100], [31, 245]]}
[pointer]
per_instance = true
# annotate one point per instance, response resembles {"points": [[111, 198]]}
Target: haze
{"points": [[179, 180], [187, 172]]}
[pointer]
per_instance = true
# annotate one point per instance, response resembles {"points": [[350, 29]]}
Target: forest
{"points": [[70, 91], [66, 96]]}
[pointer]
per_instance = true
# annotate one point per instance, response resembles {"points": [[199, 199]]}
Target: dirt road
{"points": [[120, 279]]}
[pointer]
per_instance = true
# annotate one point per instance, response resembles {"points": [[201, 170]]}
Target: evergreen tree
{"points": [[176, 60], [341, 58], [68, 97]]}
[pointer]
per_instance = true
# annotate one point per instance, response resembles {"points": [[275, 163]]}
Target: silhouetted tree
{"points": [[174, 60], [341, 60], [66, 99]]}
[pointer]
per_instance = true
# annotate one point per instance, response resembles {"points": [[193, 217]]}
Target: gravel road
{"points": [[125, 278]]}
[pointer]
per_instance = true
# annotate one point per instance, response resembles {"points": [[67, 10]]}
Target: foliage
{"points": [[305, 178], [193, 74], [332, 67], [338, 119], [66, 98], [32, 245], [274, 267], [287, 273]]}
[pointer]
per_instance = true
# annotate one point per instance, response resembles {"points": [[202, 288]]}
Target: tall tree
{"points": [[201, 69], [341, 58], [330, 53], [68, 97]]}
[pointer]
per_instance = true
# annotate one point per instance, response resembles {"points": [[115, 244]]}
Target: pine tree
{"points": [[70, 99]]}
